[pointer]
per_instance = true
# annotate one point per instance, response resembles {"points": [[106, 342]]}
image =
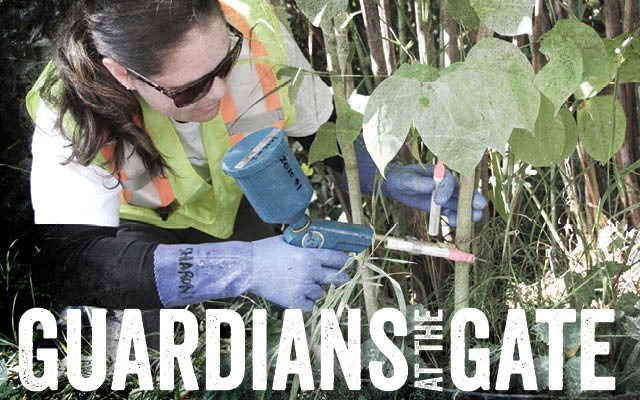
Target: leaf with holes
{"points": [[478, 104], [508, 18], [599, 138], [390, 111], [597, 67], [561, 76], [515, 73]]}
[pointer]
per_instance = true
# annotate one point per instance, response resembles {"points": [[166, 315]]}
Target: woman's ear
{"points": [[119, 72]]}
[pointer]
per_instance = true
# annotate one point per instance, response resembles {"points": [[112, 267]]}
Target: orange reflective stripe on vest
{"points": [[239, 125], [141, 189]]}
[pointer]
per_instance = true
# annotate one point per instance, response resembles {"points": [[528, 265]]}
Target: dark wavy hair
{"points": [[135, 33]]}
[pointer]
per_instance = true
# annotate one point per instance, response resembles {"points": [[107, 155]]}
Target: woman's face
{"points": [[199, 53]]}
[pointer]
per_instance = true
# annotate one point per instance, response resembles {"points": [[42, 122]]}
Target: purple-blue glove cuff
{"points": [[187, 273]]}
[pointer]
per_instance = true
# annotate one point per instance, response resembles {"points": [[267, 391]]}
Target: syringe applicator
{"points": [[434, 211], [422, 248]]}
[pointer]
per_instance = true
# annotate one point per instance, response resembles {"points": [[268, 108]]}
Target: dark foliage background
{"points": [[26, 28]]}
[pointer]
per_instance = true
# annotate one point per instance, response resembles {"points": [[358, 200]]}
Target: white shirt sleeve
{"points": [[69, 193], [314, 100]]}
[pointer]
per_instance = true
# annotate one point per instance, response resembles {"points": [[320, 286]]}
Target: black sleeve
{"points": [[87, 265]]}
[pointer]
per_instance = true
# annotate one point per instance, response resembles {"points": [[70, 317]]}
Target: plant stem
{"points": [[363, 61], [421, 31], [553, 196], [549, 222], [351, 168], [449, 32], [571, 191], [355, 197], [540, 26], [374, 38], [592, 190], [402, 32], [294, 388], [463, 241], [386, 30]]}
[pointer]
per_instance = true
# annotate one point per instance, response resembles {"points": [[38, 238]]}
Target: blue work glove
{"points": [[289, 276], [413, 184]]}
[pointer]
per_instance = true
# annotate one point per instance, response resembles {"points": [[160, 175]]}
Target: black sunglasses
{"points": [[197, 90]]}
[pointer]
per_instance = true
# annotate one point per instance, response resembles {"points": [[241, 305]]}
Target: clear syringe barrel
{"points": [[434, 212], [416, 247], [421, 248]]}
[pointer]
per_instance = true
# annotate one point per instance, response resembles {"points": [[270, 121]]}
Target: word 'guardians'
{"points": [[386, 375]]}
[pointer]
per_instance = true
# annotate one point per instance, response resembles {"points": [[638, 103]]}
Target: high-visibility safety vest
{"points": [[257, 99]]}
